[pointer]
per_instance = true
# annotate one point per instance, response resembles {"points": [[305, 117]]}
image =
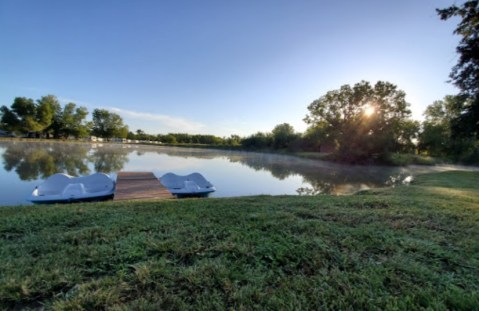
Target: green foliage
{"points": [[108, 124], [26, 116], [9, 120], [465, 74], [233, 140], [317, 137], [363, 121], [402, 159], [169, 139], [47, 107], [70, 122], [184, 138], [46, 116], [437, 137], [284, 136], [259, 140], [406, 248]]}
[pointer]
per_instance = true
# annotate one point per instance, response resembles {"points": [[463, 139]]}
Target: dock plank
{"points": [[140, 186]]}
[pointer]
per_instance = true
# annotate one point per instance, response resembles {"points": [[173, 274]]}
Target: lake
{"points": [[234, 173]]}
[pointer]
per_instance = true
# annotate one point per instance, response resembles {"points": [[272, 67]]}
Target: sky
{"points": [[220, 67]]}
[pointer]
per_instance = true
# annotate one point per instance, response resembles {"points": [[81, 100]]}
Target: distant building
{"points": [[6, 134], [119, 140]]}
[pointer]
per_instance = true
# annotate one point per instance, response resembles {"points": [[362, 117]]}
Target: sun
{"points": [[368, 110]]}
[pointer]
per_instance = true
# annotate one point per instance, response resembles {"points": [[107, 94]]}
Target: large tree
{"points": [[363, 121], [47, 108], [26, 116], [465, 74], [70, 121], [259, 140], [108, 124], [437, 137], [9, 120], [24, 110], [283, 136]]}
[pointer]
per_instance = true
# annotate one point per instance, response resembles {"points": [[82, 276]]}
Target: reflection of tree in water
{"points": [[40, 160], [266, 162], [198, 153], [31, 161], [322, 177], [317, 188], [109, 159]]}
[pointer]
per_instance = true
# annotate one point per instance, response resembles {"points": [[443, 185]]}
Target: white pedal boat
{"points": [[62, 188], [192, 185]]}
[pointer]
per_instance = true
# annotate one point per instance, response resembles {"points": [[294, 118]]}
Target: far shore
{"points": [[392, 160]]}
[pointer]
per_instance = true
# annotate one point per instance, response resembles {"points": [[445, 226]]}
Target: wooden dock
{"points": [[140, 186]]}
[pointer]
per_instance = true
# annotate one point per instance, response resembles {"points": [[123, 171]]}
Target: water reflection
{"points": [[32, 161], [324, 177], [234, 173], [109, 159], [319, 176]]}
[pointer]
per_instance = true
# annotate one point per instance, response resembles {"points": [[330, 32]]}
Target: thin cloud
{"points": [[165, 122], [66, 100], [151, 123]]}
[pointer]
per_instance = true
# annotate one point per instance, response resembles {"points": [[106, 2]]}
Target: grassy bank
{"points": [[410, 247]]}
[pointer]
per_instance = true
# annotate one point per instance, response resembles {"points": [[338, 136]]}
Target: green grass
{"points": [[406, 248], [401, 159]]}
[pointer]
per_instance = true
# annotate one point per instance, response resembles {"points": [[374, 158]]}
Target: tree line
{"points": [[47, 118], [355, 123]]}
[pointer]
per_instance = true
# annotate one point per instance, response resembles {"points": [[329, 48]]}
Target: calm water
{"points": [[26, 164]]}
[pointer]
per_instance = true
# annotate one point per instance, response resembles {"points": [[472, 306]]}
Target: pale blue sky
{"points": [[220, 67]]}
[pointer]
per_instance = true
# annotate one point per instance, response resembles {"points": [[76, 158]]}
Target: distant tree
{"points": [[69, 121], [465, 74], [182, 138], [9, 120], [25, 111], [48, 108], [317, 137], [131, 135], [108, 124], [168, 139], [408, 135], [74, 121], [283, 136], [141, 135], [207, 139], [25, 116], [437, 137], [259, 140], [233, 140], [362, 121]]}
